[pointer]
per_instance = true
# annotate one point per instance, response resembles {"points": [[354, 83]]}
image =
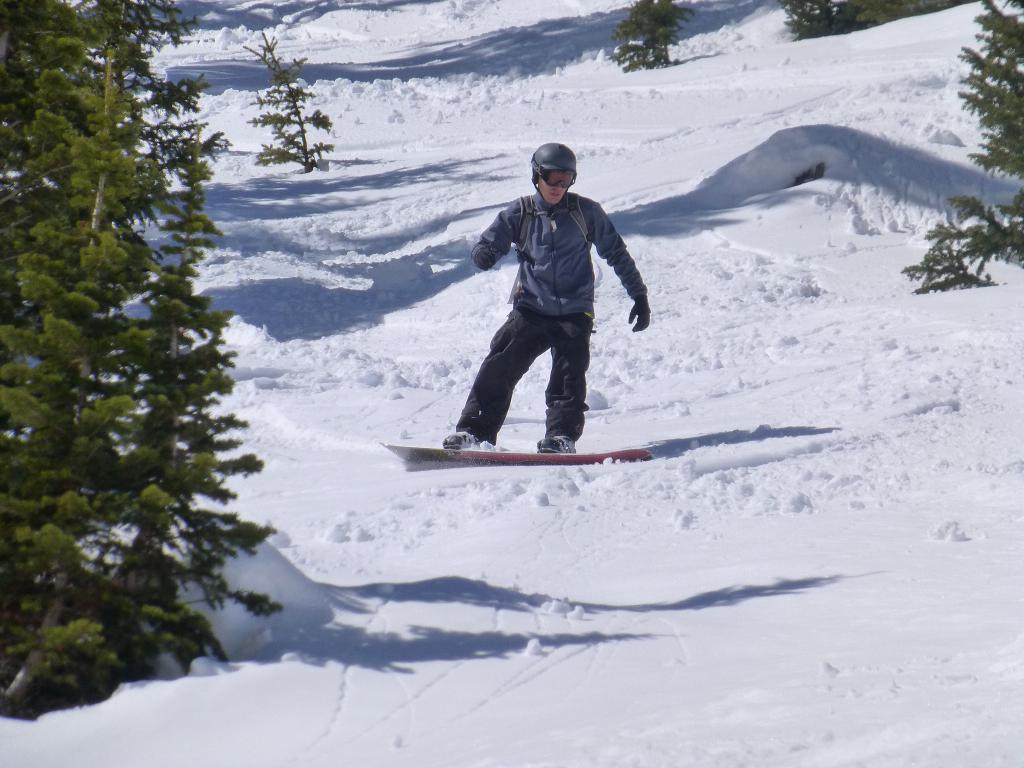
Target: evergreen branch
{"points": [[961, 251]]}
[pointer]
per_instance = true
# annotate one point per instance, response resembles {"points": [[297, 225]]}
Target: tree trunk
{"points": [[20, 685]]}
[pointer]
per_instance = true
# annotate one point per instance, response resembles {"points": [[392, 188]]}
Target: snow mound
{"points": [[793, 156], [307, 607]]}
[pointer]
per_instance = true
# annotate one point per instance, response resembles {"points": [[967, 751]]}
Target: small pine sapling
{"points": [[286, 116], [646, 34]]}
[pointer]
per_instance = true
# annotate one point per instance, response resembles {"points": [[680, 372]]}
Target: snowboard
{"points": [[416, 458]]}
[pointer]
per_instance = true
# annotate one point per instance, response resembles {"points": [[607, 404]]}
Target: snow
{"points": [[819, 569]]}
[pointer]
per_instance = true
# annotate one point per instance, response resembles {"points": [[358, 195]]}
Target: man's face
{"points": [[554, 184]]}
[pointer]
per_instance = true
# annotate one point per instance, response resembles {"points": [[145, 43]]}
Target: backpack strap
{"points": [[528, 209], [573, 202]]}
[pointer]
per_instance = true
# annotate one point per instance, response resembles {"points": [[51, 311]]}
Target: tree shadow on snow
{"points": [[456, 589], [293, 308], [537, 49], [212, 14], [291, 195], [389, 651], [518, 51], [673, 449], [311, 633]]}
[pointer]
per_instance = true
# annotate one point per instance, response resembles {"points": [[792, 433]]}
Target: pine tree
{"points": [[962, 250], [68, 409], [286, 118], [646, 34], [39, 561], [882, 11], [820, 18], [103, 473]]}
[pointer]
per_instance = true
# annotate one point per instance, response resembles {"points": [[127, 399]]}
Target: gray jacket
{"points": [[558, 277]]}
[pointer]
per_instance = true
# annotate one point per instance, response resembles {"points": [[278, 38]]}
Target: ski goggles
{"points": [[561, 181]]}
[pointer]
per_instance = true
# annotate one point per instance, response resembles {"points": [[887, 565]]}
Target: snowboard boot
{"points": [[460, 441], [557, 444]]}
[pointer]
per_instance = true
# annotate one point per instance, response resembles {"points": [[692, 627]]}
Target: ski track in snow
{"points": [[819, 567]]}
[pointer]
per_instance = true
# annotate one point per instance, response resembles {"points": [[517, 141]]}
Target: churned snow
{"points": [[821, 567]]}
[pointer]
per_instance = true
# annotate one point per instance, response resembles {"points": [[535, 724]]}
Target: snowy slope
{"points": [[821, 566]]}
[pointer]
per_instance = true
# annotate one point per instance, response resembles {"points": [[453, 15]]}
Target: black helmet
{"points": [[552, 157]]}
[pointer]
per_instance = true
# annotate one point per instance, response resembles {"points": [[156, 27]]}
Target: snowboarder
{"points": [[552, 303]]}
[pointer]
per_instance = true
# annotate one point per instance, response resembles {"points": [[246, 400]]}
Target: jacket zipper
{"points": [[554, 263]]}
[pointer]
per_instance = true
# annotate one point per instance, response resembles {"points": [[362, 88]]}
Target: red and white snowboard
{"points": [[441, 458]]}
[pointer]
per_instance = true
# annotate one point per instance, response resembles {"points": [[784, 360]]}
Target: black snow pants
{"points": [[517, 344]]}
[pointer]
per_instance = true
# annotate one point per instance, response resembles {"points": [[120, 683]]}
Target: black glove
{"points": [[484, 257], [641, 312]]}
